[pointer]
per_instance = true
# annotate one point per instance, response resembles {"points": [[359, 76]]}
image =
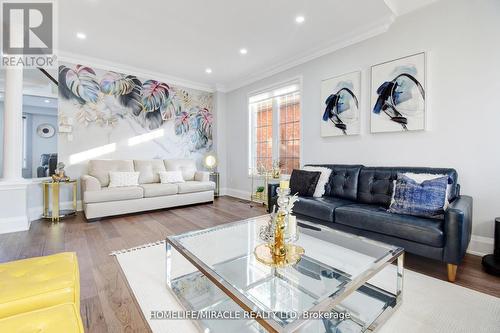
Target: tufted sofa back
{"points": [[373, 185], [343, 182], [376, 183]]}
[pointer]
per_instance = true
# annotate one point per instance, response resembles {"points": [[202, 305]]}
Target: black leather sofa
{"points": [[356, 199]]}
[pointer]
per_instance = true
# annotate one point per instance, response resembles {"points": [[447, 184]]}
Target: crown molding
{"points": [[355, 37], [402, 7], [126, 69]]}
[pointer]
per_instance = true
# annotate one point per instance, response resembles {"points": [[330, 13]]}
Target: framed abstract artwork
{"points": [[398, 95], [340, 97]]}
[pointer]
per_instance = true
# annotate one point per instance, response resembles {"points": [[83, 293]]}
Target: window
{"points": [[275, 129]]}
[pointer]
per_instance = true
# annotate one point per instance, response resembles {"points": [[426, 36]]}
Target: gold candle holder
{"points": [[279, 253]]}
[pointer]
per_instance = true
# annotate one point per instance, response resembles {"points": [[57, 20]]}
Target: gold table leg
{"points": [[55, 202], [74, 196], [46, 199]]}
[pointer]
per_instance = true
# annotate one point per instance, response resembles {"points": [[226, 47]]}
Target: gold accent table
{"points": [[54, 213], [262, 179]]}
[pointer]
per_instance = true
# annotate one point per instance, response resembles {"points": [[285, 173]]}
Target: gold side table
{"points": [[55, 213]]}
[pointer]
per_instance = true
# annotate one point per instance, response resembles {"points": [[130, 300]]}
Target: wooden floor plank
{"points": [[108, 304]]}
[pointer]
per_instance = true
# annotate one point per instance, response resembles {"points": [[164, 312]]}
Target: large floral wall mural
{"points": [[98, 107]]}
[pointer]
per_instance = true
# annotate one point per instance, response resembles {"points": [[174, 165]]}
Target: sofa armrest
{"points": [[272, 196], [202, 176], [457, 229], [89, 183]]}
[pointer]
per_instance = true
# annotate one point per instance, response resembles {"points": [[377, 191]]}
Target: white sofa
{"points": [[99, 200]]}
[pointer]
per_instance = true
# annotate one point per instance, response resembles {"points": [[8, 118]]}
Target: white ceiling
{"points": [[179, 39]]}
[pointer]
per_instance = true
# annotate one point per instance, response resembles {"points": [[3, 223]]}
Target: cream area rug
{"points": [[429, 305]]}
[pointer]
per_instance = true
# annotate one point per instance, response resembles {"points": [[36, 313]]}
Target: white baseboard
{"points": [[245, 195], [480, 245], [35, 213], [13, 224]]}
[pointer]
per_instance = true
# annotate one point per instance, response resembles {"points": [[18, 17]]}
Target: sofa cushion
{"points": [[159, 190], [343, 182], [195, 186], [149, 170], [319, 208], [186, 166], [304, 182], [376, 183], [63, 317], [171, 177], [40, 282], [100, 168], [425, 199], [377, 219], [123, 179], [113, 194]]}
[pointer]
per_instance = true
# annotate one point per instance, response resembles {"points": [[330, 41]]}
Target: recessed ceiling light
{"points": [[208, 70], [81, 35], [300, 19], [47, 101], [243, 51]]}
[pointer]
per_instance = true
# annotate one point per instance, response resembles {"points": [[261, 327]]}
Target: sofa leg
{"points": [[452, 272]]}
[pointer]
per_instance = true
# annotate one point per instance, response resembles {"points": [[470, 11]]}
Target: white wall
{"points": [[220, 138], [461, 38]]}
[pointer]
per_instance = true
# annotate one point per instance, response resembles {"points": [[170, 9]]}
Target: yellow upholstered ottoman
{"points": [[62, 318], [35, 289]]}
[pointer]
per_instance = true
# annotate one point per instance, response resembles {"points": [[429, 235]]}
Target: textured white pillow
{"points": [[323, 179], [170, 177], [119, 179]]}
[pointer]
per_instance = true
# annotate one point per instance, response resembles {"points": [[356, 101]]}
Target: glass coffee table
{"points": [[343, 283]]}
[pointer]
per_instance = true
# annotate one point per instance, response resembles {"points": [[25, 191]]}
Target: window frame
{"points": [[275, 118]]}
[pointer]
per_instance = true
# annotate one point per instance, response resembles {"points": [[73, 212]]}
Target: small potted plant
{"points": [[259, 193]]}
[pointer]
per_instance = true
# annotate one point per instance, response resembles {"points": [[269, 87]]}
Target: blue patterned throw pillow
{"points": [[425, 199]]}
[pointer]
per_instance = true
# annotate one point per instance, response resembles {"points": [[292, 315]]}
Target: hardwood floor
{"points": [[107, 304]]}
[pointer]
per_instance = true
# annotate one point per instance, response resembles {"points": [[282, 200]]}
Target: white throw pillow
{"points": [[119, 179], [322, 181], [171, 177], [421, 177]]}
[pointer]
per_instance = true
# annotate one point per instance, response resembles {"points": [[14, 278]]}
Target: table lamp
{"points": [[210, 161]]}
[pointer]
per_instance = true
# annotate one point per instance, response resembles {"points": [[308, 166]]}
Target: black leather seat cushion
{"points": [[377, 219], [319, 208]]}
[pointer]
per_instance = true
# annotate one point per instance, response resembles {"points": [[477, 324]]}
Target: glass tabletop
{"points": [[334, 263]]}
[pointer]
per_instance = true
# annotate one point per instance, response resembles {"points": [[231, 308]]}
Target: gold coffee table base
{"points": [[264, 254]]}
